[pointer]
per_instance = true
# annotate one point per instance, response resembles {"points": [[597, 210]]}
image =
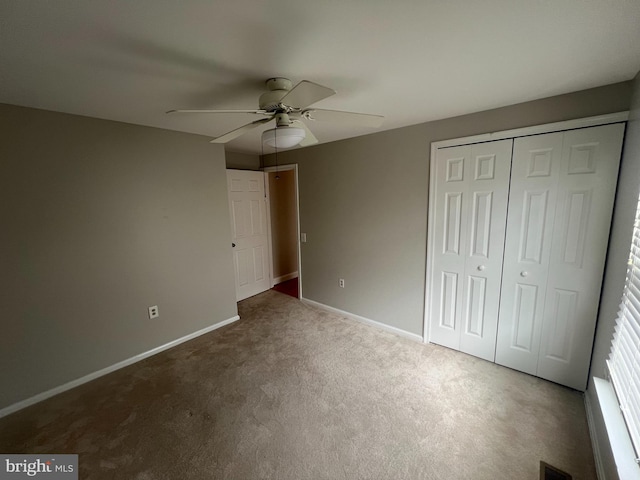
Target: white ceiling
{"points": [[409, 60]]}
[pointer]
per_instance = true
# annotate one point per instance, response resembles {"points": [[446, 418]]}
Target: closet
{"points": [[518, 240]]}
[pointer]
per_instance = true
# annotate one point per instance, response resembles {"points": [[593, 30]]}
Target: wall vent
{"points": [[548, 472]]}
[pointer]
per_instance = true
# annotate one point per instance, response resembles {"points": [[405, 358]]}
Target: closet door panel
{"points": [[488, 190], [586, 191], [532, 207], [450, 238]]}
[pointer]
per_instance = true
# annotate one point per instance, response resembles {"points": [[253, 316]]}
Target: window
{"points": [[624, 360]]}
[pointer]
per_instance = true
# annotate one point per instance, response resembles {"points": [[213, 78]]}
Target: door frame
{"points": [[282, 168], [488, 137]]}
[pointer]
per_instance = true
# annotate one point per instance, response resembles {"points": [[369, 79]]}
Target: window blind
{"points": [[624, 359]]}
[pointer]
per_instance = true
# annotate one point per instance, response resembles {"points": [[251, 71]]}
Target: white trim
{"points": [[431, 215], [487, 137], [125, 363], [284, 278], [536, 129], [619, 439], [298, 239], [358, 318], [593, 433]]}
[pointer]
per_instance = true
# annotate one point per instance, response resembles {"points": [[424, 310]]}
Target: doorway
{"points": [[284, 228]]}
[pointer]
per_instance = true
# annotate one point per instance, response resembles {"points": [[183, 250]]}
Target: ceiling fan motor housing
{"points": [[278, 88]]}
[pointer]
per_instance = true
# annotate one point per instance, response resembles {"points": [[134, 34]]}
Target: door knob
{"points": [[524, 274], [233, 245], [481, 268]]}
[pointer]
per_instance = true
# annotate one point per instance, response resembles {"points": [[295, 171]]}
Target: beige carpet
{"points": [[292, 392]]}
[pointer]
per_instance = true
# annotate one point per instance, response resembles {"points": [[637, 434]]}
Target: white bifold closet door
{"points": [[470, 208], [562, 192]]}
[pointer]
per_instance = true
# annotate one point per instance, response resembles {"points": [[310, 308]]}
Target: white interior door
{"points": [[472, 186], [532, 206], [586, 190], [563, 186], [247, 208], [449, 239], [488, 194]]}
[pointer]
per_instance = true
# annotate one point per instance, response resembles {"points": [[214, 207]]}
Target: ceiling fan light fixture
{"points": [[283, 137]]}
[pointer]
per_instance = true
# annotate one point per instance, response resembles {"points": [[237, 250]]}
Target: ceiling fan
{"points": [[288, 107]]}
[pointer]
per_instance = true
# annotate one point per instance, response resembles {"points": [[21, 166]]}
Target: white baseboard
{"points": [[284, 278], [593, 433], [125, 363], [358, 318]]}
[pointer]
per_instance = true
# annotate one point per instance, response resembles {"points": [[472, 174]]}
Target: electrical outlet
{"points": [[341, 283], [154, 312]]}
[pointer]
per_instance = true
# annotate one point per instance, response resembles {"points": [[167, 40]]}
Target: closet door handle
{"points": [[524, 274], [481, 268]]}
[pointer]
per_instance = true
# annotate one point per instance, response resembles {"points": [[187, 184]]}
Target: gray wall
{"points": [[616, 268], [99, 221], [242, 161], [284, 222], [363, 204]]}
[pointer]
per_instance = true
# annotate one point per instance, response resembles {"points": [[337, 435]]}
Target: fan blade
{"points": [[227, 137], [258, 112], [338, 116], [310, 138], [306, 93]]}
